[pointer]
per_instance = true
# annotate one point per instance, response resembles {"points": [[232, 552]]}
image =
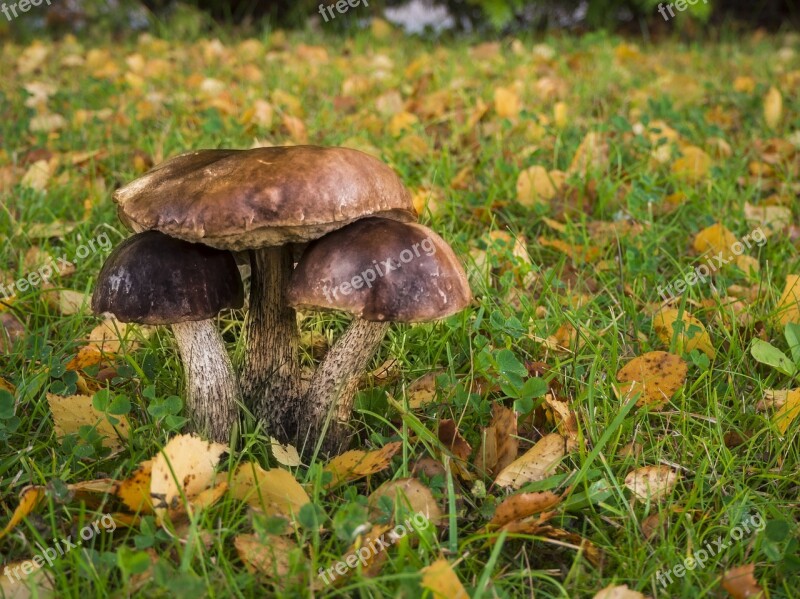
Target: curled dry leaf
{"points": [[440, 579], [29, 499], [535, 464], [691, 333], [788, 411], [276, 492], [182, 471], [523, 505], [499, 442], [654, 376], [651, 483], [618, 592], [741, 583], [411, 493], [73, 412], [355, 464]]}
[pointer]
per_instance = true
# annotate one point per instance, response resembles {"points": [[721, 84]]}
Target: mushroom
{"points": [[264, 200], [380, 271], [152, 278]]}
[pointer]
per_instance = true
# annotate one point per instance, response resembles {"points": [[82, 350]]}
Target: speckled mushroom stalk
{"points": [[421, 280], [154, 279]]}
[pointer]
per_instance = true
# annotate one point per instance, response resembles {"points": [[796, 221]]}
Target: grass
{"points": [[169, 107]]}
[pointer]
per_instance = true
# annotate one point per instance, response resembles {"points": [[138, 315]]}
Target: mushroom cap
{"points": [[249, 199], [380, 269], [152, 278]]}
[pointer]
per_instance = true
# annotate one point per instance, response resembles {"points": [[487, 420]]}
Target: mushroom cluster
{"points": [[270, 203]]}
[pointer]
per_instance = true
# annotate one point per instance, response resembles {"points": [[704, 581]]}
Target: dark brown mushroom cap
{"points": [[379, 270], [248, 199], [152, 278]]}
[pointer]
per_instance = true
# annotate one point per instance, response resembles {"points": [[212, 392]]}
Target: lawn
{"points": [[610, 198]]}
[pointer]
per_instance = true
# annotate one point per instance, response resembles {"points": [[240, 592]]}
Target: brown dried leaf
{"points": [[655, 375]]}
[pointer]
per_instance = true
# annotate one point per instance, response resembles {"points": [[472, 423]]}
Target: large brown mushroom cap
{"points": [[381, 270], [152, 278], [248, 199]]}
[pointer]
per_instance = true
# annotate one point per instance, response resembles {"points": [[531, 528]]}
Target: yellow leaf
{"points": [[182, 470], [578, 253], [744, 84], [38, 175], [787, 413], [67, 301], [276, 492], [651, 483], [560, 115], [618, 592], [29, 498], [592, 154], [788, 307], [655, 375], [741, 584], [285, 455], [47, 123], [774, 219], [773, 107], [134, 492], [534, 186], [535, 464], [715, 240], [401, 122], [73, 412], [693, 166], [355, 464], [442, 582], [506, 103], [6, 386], [691, 333], [523, 505], [270, 558], [26, 579], [411, 494], [423, 390]]}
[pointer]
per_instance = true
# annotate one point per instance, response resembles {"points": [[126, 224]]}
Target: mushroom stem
{"points": [[212, 393], [333, 386], [271, 372]]}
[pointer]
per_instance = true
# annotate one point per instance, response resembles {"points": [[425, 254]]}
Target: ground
{"points": [[610, 199]]}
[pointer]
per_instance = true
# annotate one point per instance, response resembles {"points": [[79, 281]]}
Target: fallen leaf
{"points": [[15, 583], [618, 592], [651, 483], [270, 558], [741, 583], [693, 166], [715, 240], [440, 579], [591, 155], [788, 411], [690, 333], [535, 186], [275, 492], [788, 307], [656, 376], [355, 464], [773, 107], [285, 455], [29, 499], [423, 390], [183, 469], [66, 301], [506, 103], [500, 444], [412, 494], [134, 492], [535, 464], [72, 412], [452, 439], [523, 505]]}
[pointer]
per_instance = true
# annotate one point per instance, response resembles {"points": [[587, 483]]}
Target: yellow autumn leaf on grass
{"points": [[275, 492], [536, 464], [29, 498], [691, 333], [715, 240], [592, 154], [651, 483], [578, 253], [134, 492], [410, 493], [788, 412], [72, 412], [773, 107], [656, 376], [535, 185], [523, 505], [440, 579], [693, 166], [788, 307], [270, 557], [506, 103], [181, 472], [355, 464], [618, 592]]}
